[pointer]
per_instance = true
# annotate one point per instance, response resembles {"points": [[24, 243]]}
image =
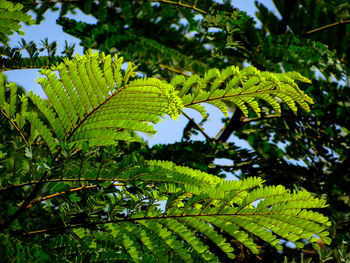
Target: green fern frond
{"points": [[279, 214], [242, 88], [240, 209], [93, 101]]}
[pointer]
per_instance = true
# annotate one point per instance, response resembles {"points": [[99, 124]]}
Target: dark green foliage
{"points": [[74, 200], [11, 58], [11, 15]]}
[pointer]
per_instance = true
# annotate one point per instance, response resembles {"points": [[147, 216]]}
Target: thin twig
{"points": [[174, 70], [53, 2], [15, 126], [65, 180], [193, 7], [66, 192], [341, 22], [59, 180], [197, 126], [26, 202]]}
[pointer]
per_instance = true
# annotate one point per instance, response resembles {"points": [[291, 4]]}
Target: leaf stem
{"points": [[88, 224]]}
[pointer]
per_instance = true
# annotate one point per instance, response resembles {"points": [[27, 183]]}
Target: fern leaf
{"points": [[57, 97], [230, 207], [91, 104], [201, 210], [243, 88]]}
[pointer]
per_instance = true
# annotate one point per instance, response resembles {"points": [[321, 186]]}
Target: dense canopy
{"points": [[79, 184]]}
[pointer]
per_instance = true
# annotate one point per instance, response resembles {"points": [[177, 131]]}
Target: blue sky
{"points": [[169, 130]]}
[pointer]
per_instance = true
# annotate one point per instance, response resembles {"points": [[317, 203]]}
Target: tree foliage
{"points": [[78, 184]]}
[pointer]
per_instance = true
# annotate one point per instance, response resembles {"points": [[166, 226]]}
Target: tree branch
{"points": [[233, 124], [319, 29], [197, 126], [53, 2], [27, 200], [193, 7], [24, 205], [287, 12], [68, 180]]}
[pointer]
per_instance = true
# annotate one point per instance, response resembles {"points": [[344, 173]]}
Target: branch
{"points": [[27, 200], [289, 6], [341, 22], [233, 124], [236, 120], [25, 203], [67, 180], [193, 7], [197, 126], [53, 2]]}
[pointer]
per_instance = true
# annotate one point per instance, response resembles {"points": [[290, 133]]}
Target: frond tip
{"points": [[242, 88]]}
